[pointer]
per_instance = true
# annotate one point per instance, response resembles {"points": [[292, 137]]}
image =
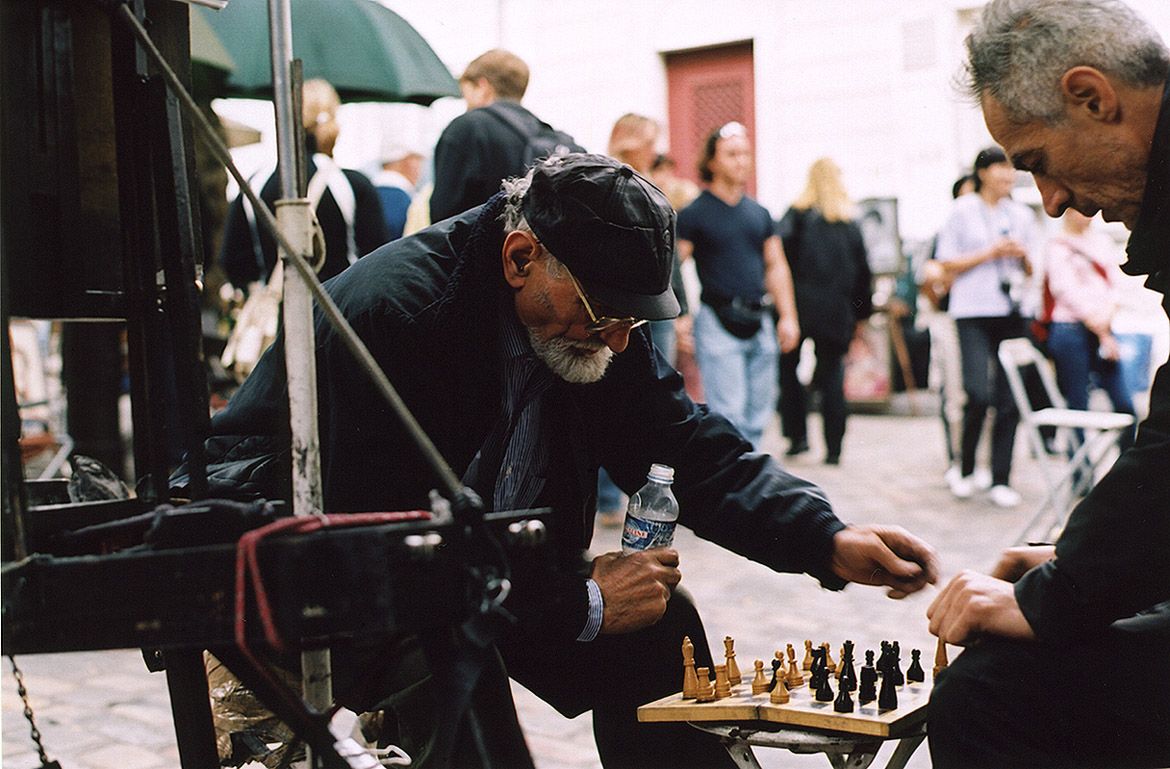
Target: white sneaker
{"points": [[1004, 496], [952, 474], [981, 479], [961, 486]]}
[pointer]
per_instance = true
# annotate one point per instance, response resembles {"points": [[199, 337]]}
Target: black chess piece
{"points": [[818, 670], [867, 690], [776, 666], [888, 695], [844, 703], [896, 664], [825, 690], [915, 671], [848, 677]]}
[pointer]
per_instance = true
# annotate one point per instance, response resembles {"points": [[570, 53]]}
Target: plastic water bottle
{"points": [[652, 513]]}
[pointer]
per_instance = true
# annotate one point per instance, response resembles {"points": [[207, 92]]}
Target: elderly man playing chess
{"points": [[513, 333], [1068, 658]]}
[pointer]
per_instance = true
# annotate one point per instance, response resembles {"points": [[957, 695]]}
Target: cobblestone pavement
{"points": [[103, 710]]}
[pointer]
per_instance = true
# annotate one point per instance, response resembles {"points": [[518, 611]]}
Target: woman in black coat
{"points": [[831, 275]]}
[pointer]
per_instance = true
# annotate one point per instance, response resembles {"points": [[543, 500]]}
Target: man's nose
{"points": [[1056, 197]]}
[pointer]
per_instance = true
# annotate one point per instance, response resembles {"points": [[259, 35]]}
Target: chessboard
{"points": [[803, 708]]}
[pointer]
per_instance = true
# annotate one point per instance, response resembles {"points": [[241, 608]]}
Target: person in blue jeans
{"points": [[744, 278], [1082, 282]]}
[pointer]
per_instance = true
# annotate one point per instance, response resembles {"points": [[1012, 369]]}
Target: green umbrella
{"points": [[368, 52]]}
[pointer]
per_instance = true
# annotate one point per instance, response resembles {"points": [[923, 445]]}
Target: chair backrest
{"points": [[1020, 358]]}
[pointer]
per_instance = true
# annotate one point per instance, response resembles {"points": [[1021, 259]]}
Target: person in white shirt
{"points": [[984, 247]]}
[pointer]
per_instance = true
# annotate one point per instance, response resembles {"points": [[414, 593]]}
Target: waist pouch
{"points": [[739, 317]]}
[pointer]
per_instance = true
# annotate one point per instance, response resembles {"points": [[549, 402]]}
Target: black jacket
{"points": [[830, 274], [1113, 557], [426, 307], [238, 254], [475, 152]]}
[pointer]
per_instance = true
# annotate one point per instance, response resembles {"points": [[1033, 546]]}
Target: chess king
{"points": [[1071, 666]]}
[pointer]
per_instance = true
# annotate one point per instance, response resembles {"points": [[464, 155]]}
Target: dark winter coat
{"points": [[427, 307], [830, 274]]}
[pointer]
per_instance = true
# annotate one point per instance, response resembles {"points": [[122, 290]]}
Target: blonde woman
{"points": [[348, 207], [831, 276]]}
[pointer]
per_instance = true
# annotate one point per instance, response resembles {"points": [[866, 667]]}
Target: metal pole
{"points": [[294, 217]]}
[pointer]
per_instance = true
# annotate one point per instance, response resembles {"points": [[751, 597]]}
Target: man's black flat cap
{"points": [[611, 227]]}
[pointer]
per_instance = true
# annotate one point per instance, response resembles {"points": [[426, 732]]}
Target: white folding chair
{"points": [[1068, 452]]}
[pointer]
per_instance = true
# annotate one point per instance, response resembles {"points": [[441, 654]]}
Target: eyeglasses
{"points": [[602, 324]]}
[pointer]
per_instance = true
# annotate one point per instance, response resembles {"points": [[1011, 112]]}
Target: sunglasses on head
{"points": [[733, 128]]}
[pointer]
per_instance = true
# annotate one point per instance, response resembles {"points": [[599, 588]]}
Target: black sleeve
{"points": [[727, 493], [456, 170], [1111, 559], [369, 227], [863, 284], [238, 254]]}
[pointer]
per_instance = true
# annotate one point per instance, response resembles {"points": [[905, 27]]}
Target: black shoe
{"points": [[797, 447], [833, 459]]}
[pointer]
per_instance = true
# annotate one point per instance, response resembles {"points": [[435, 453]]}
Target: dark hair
{"points": [[958, 185], [725, 131], [707, 155], [987, 157]]}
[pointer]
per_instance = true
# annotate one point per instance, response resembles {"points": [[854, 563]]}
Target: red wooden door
{"points": [[705, 89]]}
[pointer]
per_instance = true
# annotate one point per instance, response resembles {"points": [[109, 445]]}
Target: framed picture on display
{"points": [[878, 219]]}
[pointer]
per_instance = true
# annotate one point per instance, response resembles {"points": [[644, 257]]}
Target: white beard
{"points": [[559, 355]]}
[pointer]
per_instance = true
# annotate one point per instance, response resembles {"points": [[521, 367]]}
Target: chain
{"points": [[28, 713]]}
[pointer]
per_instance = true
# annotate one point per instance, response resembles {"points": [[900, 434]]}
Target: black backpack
{"points": [[540, 139]]}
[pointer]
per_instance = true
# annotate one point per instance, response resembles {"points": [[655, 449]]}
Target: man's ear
{"points": [[517, 254], [1088, 89]]}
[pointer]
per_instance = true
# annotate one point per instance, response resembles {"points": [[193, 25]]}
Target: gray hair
{"points": [[512, 216], [1021, 49]]}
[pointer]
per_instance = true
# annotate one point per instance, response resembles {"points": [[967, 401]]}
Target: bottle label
{"points": [[641, 534]]}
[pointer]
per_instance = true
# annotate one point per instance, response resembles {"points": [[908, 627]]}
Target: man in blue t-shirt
{"points": [[744, 277]]}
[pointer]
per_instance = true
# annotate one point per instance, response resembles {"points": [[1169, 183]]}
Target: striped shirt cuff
{"points": [[596, 612]]}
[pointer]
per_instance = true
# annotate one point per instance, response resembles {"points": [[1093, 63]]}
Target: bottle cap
{"points": [[661, 472]]}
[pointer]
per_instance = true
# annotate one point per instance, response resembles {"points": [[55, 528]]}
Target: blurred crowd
{"points": [[776, 309]]}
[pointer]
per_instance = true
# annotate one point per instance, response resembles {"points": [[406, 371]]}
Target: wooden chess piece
{"points": [[915, 672], [722, 684], [940, 657], [732, 668], [705, 691], [760, 682], [795, 677], [888, 695], [779, 694], [829, 664], [844, 703], [690, 679], [818, 669], [808, 658]]}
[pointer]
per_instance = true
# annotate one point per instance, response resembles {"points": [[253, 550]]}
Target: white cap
{"points": [[661, 472], [394, 150]]}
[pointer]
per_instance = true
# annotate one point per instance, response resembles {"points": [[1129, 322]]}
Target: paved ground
{"points": [[105, 711]]}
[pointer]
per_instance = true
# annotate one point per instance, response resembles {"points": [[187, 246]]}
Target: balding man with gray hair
{"points": [[1068, 658]]}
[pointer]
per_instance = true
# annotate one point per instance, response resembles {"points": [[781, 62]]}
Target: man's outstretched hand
{"points": [[635, 587], [884, 555]]}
